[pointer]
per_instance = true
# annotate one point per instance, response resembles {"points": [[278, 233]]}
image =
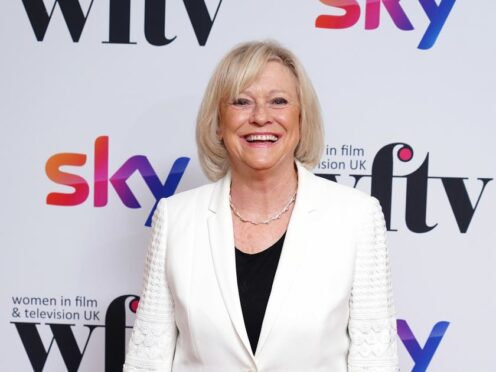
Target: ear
{"points": [[218, 133]]}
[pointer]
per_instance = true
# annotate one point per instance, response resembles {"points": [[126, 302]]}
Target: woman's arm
{"points": [[372, 324], [153, 339]]}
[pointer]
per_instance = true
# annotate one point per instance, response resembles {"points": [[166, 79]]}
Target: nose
{"points": [[260, 115]]}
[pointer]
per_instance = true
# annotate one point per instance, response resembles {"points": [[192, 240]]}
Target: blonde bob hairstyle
{"points": [[236, 71]]}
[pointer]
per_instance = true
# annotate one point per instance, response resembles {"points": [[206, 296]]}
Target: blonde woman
{"points": [[268, 268]]}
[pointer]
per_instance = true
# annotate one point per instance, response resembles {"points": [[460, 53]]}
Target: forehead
{"points": [[274, 76], [239, 75]]}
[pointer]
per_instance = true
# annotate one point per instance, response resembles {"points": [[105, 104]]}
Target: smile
{"points": [[257, 138]]}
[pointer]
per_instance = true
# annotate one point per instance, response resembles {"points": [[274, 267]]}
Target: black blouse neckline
{"points": [[266, 250], [255, 275]]}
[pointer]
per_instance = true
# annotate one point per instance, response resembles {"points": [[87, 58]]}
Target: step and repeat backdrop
{"points": [[98, 106]]}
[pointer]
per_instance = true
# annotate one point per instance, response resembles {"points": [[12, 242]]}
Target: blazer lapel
{"points": [[221, 235], [293, 253]]}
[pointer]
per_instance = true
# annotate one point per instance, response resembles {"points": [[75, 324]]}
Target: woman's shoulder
{"points": [[352, 205], [327, 190], [194, 197]]}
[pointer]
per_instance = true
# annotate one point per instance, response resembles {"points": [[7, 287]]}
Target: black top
{"points": [[255, 274]]}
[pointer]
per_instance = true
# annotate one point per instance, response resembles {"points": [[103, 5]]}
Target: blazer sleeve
{"points": [[153, 339], [372, 323]]}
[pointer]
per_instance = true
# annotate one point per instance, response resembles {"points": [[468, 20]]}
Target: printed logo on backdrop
{"points": [[350, 160], [422, 357], [72, 322], [437, 15], [119, 22], [75, 321], [102, 178], [338, 161]]}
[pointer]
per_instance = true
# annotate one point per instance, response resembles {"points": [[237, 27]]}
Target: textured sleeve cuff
{"points": [[153, 339], [372, 323]]}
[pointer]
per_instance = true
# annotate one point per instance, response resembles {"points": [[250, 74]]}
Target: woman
{"points": [[270, 268]]}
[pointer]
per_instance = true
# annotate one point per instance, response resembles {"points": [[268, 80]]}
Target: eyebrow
{"points": [[271, 92]]}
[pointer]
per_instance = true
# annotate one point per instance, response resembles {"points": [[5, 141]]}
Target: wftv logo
{"points": [[120, 19], [437, 15], [383, 177], [63, 335], [101, 179], [115, 339]]}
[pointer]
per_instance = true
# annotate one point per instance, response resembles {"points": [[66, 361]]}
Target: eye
{"points": [[241, 102], [279, 101]]}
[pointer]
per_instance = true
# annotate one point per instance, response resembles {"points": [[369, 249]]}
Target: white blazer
{"points": [[330, 308]]}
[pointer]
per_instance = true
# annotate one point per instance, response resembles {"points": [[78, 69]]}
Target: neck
{"points": [[260, 194]]}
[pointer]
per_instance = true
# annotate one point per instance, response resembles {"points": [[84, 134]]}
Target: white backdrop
{"points": [[71, 272]]}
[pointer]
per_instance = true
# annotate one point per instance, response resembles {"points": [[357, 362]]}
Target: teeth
{"points": [[261, 137]]}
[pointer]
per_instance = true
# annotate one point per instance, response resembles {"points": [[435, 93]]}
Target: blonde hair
{"points": [[237, 70]]}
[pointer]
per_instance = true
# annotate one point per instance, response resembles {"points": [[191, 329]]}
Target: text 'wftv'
{"points": [[66, 335], [202, 21], [382, 178]]}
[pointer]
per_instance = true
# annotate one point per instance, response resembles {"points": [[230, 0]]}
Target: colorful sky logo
{"points": [[437, 15], [102, 179], [421, 356]]}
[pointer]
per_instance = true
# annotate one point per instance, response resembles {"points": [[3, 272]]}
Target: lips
{"points": [[261, 138]]}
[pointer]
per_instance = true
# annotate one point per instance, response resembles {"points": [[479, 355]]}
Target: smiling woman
{"points": [[244, 71], [260, 127], [269, 268]]}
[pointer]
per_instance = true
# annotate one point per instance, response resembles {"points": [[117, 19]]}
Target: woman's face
{"points": [[261, 126]]}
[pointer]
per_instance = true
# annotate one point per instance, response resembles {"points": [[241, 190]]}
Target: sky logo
{"points": [[421, 356], [101, 180], [437, 14]]}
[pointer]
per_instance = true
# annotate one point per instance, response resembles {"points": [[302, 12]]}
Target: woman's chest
{"points": [[314, 272]]}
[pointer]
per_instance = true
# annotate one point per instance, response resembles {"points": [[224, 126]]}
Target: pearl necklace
{"points": [[264, 222]]}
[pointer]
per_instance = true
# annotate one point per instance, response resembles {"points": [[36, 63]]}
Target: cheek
{"points": [[223, 119], [228, 123], [293, 123]]}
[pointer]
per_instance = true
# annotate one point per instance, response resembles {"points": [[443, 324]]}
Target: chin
{"points": [[264, 164]]}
